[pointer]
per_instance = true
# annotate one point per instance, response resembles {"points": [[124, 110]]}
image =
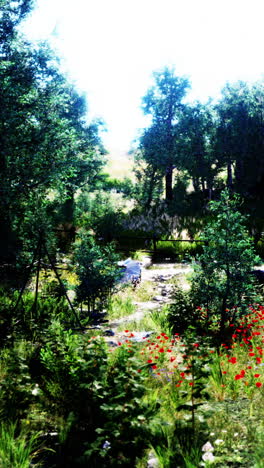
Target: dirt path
{"points": [[160, 276]]}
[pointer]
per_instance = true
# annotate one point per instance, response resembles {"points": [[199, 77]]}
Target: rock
{"points": [[109, 333], [259, 275], [158, 298], [140, 336]]}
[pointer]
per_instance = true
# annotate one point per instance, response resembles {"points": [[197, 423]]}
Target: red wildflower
{"points": [[238, 376], [149, 361], [233, 360], [258, 384], [161, 350], [256, 375]]}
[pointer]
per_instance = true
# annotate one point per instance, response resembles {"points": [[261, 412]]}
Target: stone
{"points": [[158, 298], [109, 333]]}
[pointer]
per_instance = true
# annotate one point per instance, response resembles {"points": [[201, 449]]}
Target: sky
{"points": [[110, 48]]}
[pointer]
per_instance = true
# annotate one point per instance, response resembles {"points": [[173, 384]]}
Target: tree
{"points": [[240, 142], [163, 102], [196, 129], [45, 142], [222, 283], [12, 13], [97, 272]]}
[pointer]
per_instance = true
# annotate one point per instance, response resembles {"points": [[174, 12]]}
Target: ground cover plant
{"points": [[212, 396], [176, 396]]}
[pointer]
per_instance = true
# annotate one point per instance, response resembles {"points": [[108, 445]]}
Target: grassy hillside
{"points": [[119, 165]]}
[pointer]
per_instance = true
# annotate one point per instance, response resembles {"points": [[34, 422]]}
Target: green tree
{"points": [[45, 141], [197, 129], [163, 102], [222, 282], [240, 143], [97, 272]]}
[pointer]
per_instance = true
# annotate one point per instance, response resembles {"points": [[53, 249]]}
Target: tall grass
{"points": [[17, 449], [179, 250], [120, 306]]}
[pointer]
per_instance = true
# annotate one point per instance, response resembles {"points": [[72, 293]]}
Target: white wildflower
{"points": [[218, 442], [207, 447], [208, 456]]}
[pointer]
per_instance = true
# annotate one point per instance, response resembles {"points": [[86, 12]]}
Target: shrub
{"points": [[24, 317], [222, 282], [182, 313], [98, 397], [97, 271]]}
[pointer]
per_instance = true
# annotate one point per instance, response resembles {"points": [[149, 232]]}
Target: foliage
{"points": [[158, 143], [23, 317], [17, 449], [120, 307], [16, 386], [222, 282], [179, 250], [46, 145], [101, 395], [98, 212], [97, 272], [182, 313], [197, 133]]}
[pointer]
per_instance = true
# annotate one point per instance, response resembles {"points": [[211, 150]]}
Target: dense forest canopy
{"points": [[204, 141]]}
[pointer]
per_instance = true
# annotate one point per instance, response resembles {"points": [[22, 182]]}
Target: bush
{"points": [[25, 317], [182, 313], [223, 283], [98, 399], [97, 271]]}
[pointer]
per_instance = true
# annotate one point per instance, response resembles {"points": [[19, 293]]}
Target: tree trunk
{"points": [[169, 193], [229, 175], [195, 182], [150, 189]]}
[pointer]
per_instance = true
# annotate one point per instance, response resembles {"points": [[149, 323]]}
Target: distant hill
{"points": [[120, 164]]}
